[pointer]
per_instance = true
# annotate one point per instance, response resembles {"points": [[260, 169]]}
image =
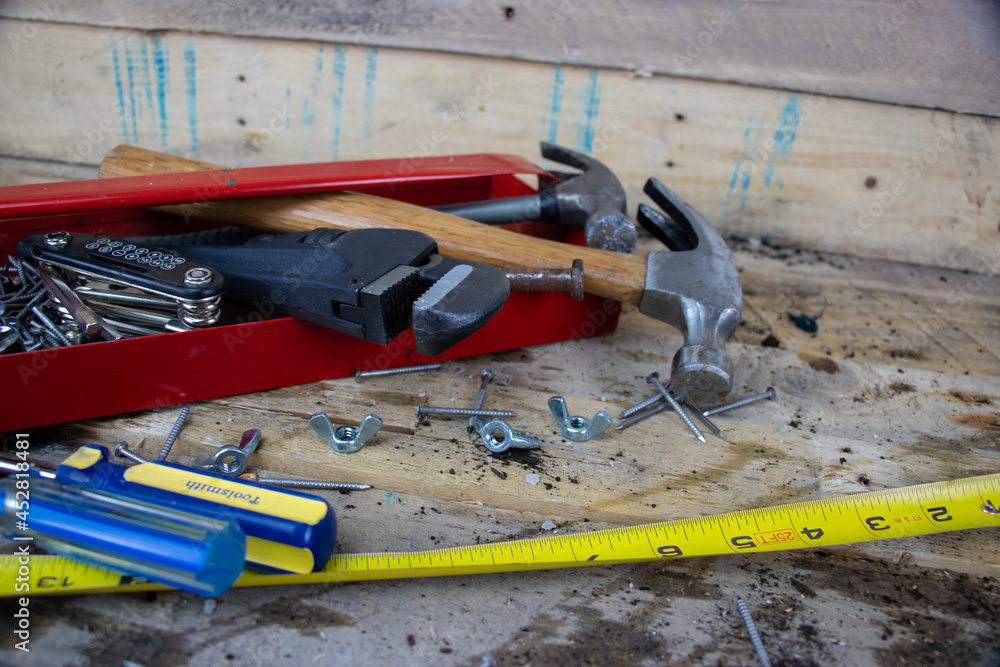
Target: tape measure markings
{"points": [[875, 515]]}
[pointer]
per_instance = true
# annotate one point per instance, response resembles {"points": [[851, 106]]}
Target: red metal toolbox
{"points": [[254, 353]]}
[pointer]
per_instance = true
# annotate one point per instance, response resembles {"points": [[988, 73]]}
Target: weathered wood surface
{"points": [[927, 53], [839, 175], [871, 400], [897, 386]]}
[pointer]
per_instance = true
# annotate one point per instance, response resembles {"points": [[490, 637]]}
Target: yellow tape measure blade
{"points": [[903, 512]]}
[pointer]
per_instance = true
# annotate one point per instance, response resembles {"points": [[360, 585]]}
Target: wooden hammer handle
{"points": [[612, 275]]}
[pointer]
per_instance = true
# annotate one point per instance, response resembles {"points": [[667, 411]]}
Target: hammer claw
{"points": [[696, 288], [678, 236]]}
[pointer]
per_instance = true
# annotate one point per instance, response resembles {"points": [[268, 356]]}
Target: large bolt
{"points": [[549, 280]]}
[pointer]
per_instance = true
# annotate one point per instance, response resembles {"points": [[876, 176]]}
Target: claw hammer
{"points": [[697, 290]]}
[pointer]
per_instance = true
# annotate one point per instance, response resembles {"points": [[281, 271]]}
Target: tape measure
{"points": [[904, 512]]}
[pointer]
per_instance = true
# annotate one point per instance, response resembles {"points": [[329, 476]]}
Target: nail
{"points": [[642, 415], [704, 420], [122, 451], [770, 393], [304, 483], [758, 645], [487, 377], [427, 411], [174, 432], [358, 373], [655, 379]]}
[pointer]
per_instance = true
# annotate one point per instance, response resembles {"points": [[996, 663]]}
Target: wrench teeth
{"points": [[392, 296], [437, 292]]}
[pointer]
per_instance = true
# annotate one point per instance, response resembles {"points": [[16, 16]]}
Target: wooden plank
{"points": [[841, 175], [927, 53], [842, 422], [652, 472], [19, 171]]}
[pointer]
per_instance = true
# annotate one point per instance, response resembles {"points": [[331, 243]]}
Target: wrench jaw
{"points": [[697, 290], [462, 297]]}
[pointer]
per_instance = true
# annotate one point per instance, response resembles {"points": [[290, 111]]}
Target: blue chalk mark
{"points": [[753, 154], [339, 70], [739, 163], [147, 83], [288, 118], [118, 86], [317, 75], [308, 117], [591, 100], [390, 495], [555, 106], [192, 96], [784, 139], [161, 69], [371, 70], [745, 165], [129, 65]]}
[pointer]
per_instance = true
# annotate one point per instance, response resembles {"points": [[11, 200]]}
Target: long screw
{"points": [[174, 432], [358, 373], [702, 418], [758, 645], [50, 325], [770, 393], [639, 407], [663, 406], [487, 378], [655, 379], [642, 415], [424, 411], [549, 280], [304, 483], [122, 450]]}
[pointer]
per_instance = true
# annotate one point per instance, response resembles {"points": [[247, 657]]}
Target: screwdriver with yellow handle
{"points": [[286, 531]]}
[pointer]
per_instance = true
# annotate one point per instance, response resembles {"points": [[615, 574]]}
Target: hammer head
{"points": [[696, 288], [593, 199]]}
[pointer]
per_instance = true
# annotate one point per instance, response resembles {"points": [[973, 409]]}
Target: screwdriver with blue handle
{"points": [[194, 552], [286, 531]]}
